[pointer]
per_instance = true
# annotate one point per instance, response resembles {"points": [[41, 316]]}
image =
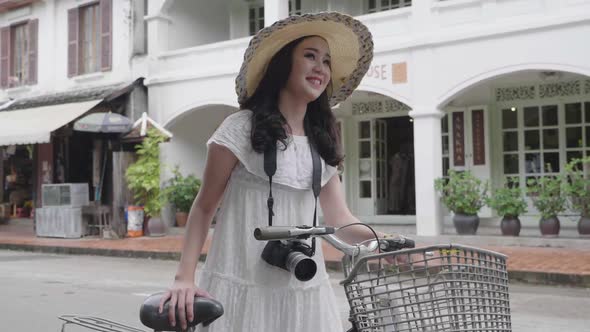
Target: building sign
{"points": [[396, 73], [479, 148], [458, 139]]}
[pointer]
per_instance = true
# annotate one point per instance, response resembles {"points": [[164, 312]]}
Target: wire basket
{"points": [[436, 288]]}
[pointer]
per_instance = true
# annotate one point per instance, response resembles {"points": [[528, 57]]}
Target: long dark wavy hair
{"points": [[268, 124]]}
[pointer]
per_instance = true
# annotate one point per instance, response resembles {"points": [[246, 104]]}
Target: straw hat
{"points": [[349, 40]]}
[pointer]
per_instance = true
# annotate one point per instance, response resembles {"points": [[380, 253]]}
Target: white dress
{"points": [[257, 296]]}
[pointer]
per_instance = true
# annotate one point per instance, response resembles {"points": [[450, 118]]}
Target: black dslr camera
{"points": [[291, 255], [286, 250]]}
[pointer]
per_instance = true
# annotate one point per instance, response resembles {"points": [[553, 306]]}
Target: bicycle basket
{"points": [[436, 288]]}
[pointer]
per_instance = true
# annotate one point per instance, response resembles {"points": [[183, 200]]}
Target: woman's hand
{"points": [[182, 293]]}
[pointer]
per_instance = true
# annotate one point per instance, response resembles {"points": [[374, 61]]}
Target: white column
{"points": [[275, 10], [428, 167], [158, 24]]}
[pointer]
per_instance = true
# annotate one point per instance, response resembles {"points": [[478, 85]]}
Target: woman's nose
{"points": [[318, 68]]}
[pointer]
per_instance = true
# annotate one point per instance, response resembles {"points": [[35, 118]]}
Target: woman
{"points": [[293, 71]]}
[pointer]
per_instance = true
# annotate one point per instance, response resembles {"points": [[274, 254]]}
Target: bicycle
{"points": [[404, 289]]}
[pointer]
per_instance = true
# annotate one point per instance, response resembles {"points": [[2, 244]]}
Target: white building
{"points": [[499, 87], [60, 59]]}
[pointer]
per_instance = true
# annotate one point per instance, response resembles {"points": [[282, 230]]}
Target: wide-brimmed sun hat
{"points": [[349, 40]]}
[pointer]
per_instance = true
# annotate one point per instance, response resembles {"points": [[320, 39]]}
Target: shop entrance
{"points": [[18, 181], [401, 189], [386, 166]]}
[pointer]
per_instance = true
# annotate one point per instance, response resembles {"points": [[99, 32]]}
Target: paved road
{"points": [[36, 288]]}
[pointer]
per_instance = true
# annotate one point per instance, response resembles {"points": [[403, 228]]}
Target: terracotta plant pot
{"points": [[466, 224], [549, 227], [510, 226], [181, 219], [584, 226]]}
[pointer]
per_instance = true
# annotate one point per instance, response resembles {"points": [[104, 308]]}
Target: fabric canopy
{"points": [[34, 125]]}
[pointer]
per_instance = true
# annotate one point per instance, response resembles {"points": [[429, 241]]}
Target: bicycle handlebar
{"points": [[271, 233]]}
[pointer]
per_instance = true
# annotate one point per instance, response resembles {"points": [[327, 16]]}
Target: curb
{"points": [[527, 277], [550, 278]]}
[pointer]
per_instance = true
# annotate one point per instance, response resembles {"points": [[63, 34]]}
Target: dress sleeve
{"points": [[327, 173], [234, 134]]}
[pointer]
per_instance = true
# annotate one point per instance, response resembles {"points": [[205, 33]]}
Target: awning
{"points": [[34, 125]]}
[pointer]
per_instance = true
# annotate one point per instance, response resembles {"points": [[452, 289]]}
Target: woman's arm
{"points": [[219, 165], [337, 213]]}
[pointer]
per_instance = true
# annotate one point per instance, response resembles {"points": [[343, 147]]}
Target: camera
{"points": [[291, 255]]}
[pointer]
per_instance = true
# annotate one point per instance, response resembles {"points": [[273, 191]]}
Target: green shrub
{"points": [[577, 186], [462, 192], [143, 176], [547, 195], [182, 190], [508, 201]]}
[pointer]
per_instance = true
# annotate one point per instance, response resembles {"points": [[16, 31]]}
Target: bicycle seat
{"points": [[205, 311]]}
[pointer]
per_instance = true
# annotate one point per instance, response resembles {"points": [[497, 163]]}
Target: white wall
{"points": [[198, 22]]}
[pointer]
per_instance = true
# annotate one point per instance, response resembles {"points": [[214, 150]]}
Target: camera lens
{"points": [[303, 267]]}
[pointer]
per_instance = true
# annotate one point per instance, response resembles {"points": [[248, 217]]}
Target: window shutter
{"points": [[106, 8], [33, 47], [4, 56], [73, 42]]}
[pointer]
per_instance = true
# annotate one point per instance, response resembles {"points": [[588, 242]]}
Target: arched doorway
{"points": [[191, 129], [378, 144]]}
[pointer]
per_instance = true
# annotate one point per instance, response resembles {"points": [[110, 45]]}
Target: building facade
{"points": [[60, 60], [498, 87]]}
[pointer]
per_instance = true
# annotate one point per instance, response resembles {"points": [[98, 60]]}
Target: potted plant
{"points": [[181, 193], [143, 179], [577, 189], [509, 203], [547, 197], [464, 195]]}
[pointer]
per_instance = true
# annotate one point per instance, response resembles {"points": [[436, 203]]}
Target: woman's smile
{"points": [[315, 81]]}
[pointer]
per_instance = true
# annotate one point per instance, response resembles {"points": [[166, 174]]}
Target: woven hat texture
{"points": [[349, 40]]}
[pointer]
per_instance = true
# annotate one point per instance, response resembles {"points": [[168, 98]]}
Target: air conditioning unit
{"points": [[65, 194]]}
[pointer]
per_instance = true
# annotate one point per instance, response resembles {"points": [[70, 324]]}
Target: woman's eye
{"points": [[310, 56], [327, 62]]}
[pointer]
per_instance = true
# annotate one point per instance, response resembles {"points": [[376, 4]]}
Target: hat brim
{"points": [[350, 43]]}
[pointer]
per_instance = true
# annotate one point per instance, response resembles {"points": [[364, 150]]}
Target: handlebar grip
{"points": [[273, 233], [205, 311], [410, 243], [398, 243]]}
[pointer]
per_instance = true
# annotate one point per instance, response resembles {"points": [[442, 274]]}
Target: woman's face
{"points": [[310, 69]]}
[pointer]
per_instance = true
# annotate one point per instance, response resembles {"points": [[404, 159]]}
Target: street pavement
{"points": [[564, 260], [36, 288]]}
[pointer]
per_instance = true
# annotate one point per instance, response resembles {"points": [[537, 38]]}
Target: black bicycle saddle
{"points": [[205, 311]]}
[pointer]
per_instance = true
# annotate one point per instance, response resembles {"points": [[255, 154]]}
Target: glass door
{"points": [[372, 167], [380, 162]]}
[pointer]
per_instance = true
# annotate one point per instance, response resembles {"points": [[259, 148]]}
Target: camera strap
{"points": [[270, 168]]}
